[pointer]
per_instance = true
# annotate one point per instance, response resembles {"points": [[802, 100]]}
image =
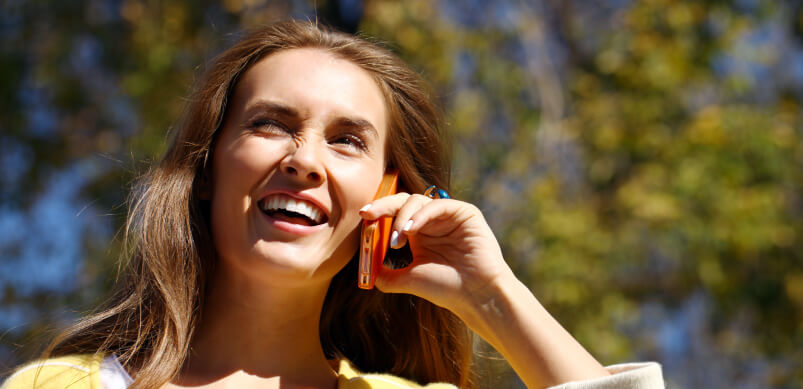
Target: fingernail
{"points": [[365, 208], [394, 239], [409, 225]]}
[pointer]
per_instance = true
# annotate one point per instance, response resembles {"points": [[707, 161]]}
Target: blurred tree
{"points": [[89, 90], [641, 162]]}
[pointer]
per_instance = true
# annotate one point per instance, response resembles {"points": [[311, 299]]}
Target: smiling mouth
{"points": [[292, 210]]}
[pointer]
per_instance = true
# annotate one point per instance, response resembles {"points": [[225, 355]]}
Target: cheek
{"points": [[243, 164], [359, 187], [356, 187], [237, 166], [246, 158], [227, 187]]}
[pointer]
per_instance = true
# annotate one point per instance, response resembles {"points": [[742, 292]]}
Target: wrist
{"points": [[492, 307], [539, 349]]}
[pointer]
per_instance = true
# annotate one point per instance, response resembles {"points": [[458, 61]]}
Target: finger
{"points": [[429, 216], [421, 278], [414, 203], [404, 280], [386, 206]]}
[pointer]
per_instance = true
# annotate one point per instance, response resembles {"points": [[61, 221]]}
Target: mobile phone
{"points": [[375, 236]]}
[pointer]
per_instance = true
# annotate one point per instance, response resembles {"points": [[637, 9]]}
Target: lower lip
{"points": [[297, 229]]}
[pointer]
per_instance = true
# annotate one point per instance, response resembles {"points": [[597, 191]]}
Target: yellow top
{"points": [[83, 372]]}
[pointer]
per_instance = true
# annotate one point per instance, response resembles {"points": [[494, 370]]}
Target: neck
{"points": [[270, 333]]}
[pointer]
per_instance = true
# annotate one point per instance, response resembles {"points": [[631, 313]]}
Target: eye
{"points": [[268, 126], [350, 140]]}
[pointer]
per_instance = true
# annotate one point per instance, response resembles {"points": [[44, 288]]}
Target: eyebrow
{"points": [[275, 108], [272, 107], [358, 123]]}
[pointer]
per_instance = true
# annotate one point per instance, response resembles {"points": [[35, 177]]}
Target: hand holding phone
{"points": [[375, 237]]}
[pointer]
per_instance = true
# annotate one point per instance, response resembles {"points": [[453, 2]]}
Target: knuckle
{"points": [[412, 199], [421, 198], [400, 196]]}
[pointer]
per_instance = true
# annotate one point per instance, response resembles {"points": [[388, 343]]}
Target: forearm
{"points": [[538, 348]]}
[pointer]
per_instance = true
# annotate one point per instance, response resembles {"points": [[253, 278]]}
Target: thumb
{"points": [[419, 278], [392, 280]]}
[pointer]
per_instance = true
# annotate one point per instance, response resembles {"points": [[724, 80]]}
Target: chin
{"points": [[280, 261]]}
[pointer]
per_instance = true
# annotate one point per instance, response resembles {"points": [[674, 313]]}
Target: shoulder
{"points": [[74, 371], [350, 378]]}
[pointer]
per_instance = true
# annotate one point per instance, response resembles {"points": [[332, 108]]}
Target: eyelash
{"points": [[270, 125], [355, 140]]}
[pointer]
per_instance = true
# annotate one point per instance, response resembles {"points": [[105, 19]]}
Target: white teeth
{"points": [[297, 206], [306, 209], [276, 202]]}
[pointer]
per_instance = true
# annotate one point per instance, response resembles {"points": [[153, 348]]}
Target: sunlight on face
{"points": [[301, 151]]}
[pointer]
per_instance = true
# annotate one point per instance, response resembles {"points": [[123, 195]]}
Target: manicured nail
{"points": [[394, 239], [408, 226], [365, 208]]}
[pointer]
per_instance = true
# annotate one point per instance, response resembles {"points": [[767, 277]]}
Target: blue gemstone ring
{"points": [[436, 193]]}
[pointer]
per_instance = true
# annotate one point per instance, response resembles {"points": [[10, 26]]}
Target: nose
{"points": [[304, 162]]}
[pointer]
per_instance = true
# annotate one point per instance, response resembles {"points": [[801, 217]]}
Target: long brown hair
{"points": [[150, 320]]}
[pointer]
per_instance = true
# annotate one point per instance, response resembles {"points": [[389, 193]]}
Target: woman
{"points": [[242, 242]]}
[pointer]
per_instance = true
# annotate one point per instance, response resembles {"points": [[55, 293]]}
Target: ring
{"points": [[436, 193]]}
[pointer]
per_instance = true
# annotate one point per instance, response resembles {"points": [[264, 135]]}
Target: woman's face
{"points": [[301, 151]]}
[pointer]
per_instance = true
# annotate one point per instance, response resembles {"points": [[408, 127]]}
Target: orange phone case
{"points": [[375, 237]]}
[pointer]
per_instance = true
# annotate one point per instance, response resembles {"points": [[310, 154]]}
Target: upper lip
{"points": [[300, 196]]}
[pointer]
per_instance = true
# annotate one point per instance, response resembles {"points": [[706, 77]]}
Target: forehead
{"points": [[314, 82]]}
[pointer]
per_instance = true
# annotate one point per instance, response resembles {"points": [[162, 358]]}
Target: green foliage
{"points": [[665, 180], [633, 160]]}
